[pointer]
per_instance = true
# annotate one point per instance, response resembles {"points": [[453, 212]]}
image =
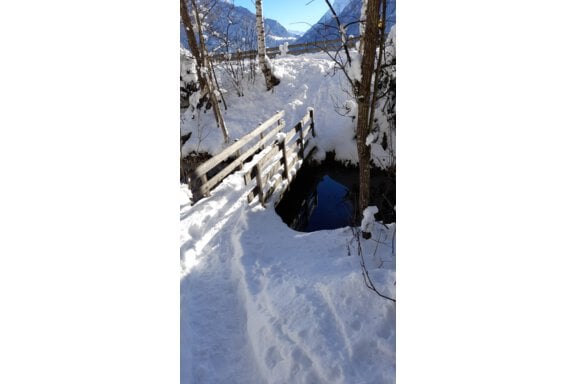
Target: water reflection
{"points": [[324, 197]]}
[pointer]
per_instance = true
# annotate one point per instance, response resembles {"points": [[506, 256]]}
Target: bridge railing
{"points": [[209, 174], [281, 162], [275, 170]]}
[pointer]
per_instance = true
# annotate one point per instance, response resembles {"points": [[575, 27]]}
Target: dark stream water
{"points": [[324, 197]]}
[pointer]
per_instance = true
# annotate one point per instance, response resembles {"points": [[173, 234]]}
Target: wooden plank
{"points": [[285, 173], [271, 190], [289, 135], [292, 148], [274, 169], [305, 119], [263, 161], [252, 194], [263, 192], [306, 131], [293, 160], [265, 177], [259, 184], [230, 168], [311, 113], [300, 140], [212, 162], [249, 176], [266, 159], [293, 164]]}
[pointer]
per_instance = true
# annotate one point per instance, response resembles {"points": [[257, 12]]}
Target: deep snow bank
{"points": [[261, 303], [310, 319]]}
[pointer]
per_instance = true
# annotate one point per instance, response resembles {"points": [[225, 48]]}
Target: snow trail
{"points": [[261, 303], [214, 345]]}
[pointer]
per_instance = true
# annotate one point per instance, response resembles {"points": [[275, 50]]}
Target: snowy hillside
{"points": [[338, 6], [236, 26], [348, 12]]}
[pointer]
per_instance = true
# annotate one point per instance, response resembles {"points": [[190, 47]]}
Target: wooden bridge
{"points": [[285, 153]]}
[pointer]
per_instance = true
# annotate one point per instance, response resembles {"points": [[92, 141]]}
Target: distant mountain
{"points": [[233, 27], [338, 6], [348, 12], [296, 33]]}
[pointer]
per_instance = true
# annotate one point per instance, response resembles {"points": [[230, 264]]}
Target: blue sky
{"points": [[292, 14]]}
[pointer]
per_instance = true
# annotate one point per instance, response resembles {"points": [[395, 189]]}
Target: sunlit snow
{"points": [[260, 302]]}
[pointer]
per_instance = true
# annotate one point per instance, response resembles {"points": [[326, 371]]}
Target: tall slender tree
{"points": [[271, 80], [365, 94], [364, 85], [208, 87]]}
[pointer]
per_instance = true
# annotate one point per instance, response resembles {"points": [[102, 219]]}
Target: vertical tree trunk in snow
{"points": [[210, 80], [362, 25], [185, 15], [365, 101], [202, 64], [377, 76], [271, 80]]}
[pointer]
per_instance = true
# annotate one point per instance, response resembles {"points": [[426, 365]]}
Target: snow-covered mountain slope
{"points": [[348, 12], [225, 24], [338, 6], [296, 33]]}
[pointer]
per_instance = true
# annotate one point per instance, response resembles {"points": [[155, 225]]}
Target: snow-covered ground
{"points": [[306, 81], [262, 303]]}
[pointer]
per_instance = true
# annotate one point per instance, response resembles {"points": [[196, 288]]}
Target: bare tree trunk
{"points": [[202, 64], [365, 101], [362, 26], [271, 80], [378, 69], [185, 15], [210, 80]]}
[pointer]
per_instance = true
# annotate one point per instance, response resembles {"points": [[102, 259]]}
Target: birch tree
{"points": [[264, 62], [208, 88]]}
